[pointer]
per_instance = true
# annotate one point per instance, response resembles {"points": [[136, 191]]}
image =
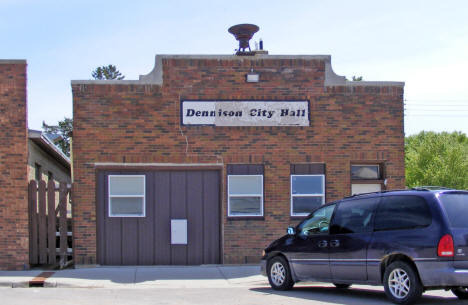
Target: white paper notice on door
{"points": [[178, 231]]}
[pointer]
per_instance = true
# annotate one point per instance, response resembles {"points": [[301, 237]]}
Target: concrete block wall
{"points": [[14, 236], [138, 122]]}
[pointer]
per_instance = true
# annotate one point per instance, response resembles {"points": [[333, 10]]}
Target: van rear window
{"points": [[456, 206]]}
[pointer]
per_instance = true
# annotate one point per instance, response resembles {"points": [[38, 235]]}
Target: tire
{"points": [[401, 283], [279, 274], [342, 286], [461, 292]]}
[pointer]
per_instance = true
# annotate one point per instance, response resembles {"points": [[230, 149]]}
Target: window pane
{"points": [[365, 188], [354, 216], [402, 212], [307, 184], [456, 206], [126, 206], [245, 206], [365, 172], [318, 223], [239, 185], [305, 205], [125, 185]]}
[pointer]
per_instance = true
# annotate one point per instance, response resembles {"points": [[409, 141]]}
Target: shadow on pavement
{"points": [[352, 296], [151, 274]]}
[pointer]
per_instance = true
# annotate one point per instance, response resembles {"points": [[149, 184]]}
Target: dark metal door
{"points": [[191, 195]]}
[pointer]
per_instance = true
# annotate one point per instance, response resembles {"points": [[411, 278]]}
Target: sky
{"points": [[422, 43]]}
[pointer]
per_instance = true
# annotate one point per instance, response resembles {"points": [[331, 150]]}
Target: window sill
{"points": [[229, 218]]}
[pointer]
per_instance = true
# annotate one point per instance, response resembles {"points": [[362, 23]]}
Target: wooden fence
{"points": [[50, 234]]}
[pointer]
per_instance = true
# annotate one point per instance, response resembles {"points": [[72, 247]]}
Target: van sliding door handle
{"points": [[322, 244]]}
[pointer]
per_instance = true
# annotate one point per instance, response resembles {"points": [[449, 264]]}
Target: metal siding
{"points": [[146, 225], [191, 195], [129, 240], [211, 216], [178, 191], [113, 231], [195, 217], [162, 221]]}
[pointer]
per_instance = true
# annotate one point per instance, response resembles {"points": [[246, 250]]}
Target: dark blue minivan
{"points": [[409, 241]]}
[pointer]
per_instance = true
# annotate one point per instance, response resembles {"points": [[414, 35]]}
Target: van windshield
{"points": [[456, 206]]}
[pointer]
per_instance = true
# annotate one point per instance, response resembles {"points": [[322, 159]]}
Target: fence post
{"points": [[51, 222], [42, 223], [32, 196], [63, 222]]}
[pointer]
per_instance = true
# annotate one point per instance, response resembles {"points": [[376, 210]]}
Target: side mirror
{"points": [[291, 231]]}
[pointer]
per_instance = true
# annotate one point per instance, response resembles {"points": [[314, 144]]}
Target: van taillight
{"points": [[445, 248]]}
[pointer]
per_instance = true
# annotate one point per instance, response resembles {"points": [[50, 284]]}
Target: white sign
{"points": [[178, 231], [245, 113]]}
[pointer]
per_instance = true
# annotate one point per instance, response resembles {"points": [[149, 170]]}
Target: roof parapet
{"points": [[155, 77]]}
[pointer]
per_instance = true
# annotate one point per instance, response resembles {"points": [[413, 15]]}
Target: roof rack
{"points": [[416, 188], [430, 188], [378, 192]]}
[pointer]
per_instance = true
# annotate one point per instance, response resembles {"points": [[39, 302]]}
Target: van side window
{"points": [[402, 212], [354, 216]]}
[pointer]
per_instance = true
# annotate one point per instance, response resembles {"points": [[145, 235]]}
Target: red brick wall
{"points": [[141, 124], [13, 166]]}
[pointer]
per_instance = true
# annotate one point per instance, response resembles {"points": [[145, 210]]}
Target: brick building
{"points": [[209, 158], [13, 169]]}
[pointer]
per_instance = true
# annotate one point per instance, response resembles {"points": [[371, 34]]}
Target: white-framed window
{"points": [[245, 195], [307, 193], [365, 171], [127, 195]]}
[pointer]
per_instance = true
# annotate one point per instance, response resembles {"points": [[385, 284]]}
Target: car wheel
{"points": [[279, 274], [401, 283], [342, 286], [461, 292]]}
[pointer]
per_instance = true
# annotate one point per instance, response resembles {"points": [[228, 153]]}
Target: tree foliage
{"points": [[64, 129], [107, 72], [439, 159], [357, 78]]}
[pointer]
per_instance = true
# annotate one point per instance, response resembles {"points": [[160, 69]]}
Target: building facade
{"points": [[14, 235], [209, 158], [45, 160]]}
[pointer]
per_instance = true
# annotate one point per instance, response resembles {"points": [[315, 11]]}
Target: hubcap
{"points": [[399, 283], [278, 274]]}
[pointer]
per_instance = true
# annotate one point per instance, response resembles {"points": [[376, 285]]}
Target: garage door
{"points": [[158, 217]]}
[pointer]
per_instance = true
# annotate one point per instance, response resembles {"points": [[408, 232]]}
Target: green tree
{"points": [[439, 159], [357, 78], [107, 72], [64, 129]]}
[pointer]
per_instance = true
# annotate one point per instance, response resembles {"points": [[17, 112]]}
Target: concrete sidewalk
{"points": [[209, 276]]}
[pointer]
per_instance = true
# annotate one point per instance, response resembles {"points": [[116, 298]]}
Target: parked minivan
{"points": [[410, 241]]}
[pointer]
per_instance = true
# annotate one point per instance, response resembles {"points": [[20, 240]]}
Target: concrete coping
{"points": [[12, 61], [155, 77]]}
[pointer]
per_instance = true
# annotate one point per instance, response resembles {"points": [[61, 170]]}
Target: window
{"points": [[50, 175], [365, 172], [245, 195], [456, 206], [126, 196], [354, 216], [402, 212], [317, 223], [307, 193], [38, 171], [366, 178]]}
